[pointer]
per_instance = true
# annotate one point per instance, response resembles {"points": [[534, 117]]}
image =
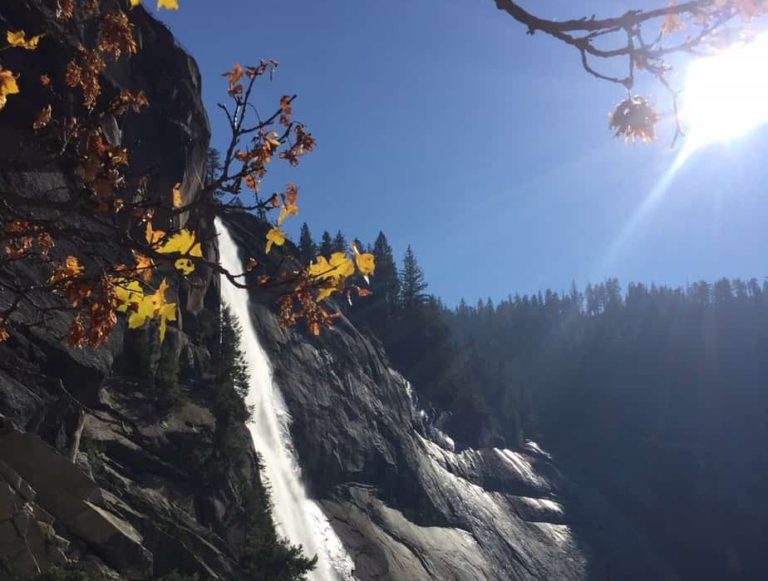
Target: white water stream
{"points": [[296, 516]]}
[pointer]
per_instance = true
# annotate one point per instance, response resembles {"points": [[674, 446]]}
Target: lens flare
{"points": [[726, 96]]}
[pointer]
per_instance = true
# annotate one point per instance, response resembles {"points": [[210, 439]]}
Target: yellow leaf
{"points": [[144, 312], [154, 307], [325, 292], [184, 243], [366, 263], [151, 306], [127, 293], [135, 3], [319, 269], [185, 266], [8, 86], [287, 210], [168, 4], [16, 38], [167, 313], [19, 40], [275, 236], [338, 267], [160, 294], [178, 201], [342, 264]]}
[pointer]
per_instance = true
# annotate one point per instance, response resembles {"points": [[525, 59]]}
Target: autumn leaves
{"points": [[325, 275], [287, 204], [148, 246], [95, 291], [8, 81], [166, 4], [8, 86], [255, 143]]}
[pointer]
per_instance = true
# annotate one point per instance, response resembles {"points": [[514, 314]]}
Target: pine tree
{"points": [[326, 244], [233, 370], [412, 284], [339, 242], [228, 399], [307, 246], [386, 284], [723, 291], [577, 299], [213, 166], [613, 296]]}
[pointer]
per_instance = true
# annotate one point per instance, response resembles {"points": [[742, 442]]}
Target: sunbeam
{"points": [[649, 204]]}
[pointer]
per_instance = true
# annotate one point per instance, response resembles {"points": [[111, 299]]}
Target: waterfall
{"points": [[297, 517]]}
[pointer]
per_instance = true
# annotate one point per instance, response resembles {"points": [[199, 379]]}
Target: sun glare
{"points": [[727, 95]]}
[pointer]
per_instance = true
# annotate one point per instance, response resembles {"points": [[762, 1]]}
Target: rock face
{"points": [[114, 485], [407, 506], [42, 488]]}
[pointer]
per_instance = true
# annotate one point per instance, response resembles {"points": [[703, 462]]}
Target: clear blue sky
{"points": [[443, 124]]}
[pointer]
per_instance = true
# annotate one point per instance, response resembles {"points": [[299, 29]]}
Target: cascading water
{"points": [[297, 518]]}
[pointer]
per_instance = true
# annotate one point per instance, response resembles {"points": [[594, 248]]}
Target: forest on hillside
{"points": [[655, 357], [653, 395]]}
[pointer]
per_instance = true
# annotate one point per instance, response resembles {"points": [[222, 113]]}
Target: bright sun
{"points": [[727, 95]]}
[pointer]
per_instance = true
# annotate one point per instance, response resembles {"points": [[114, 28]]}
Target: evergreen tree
{"points": [[576, 298], [213, 166], [264, 555], [339, 243], [307, 246], [232, 367], [592, 302], [613, 297], [326, 244], [386, 284], [412, 283], [228, 399], [723, 291]]}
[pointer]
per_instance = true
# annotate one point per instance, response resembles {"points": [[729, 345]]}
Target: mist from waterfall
{"points": [[297, 518]]}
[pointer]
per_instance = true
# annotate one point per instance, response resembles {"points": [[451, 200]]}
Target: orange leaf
{"points": [[43, 118], [291, 193], [178, 201], [252, 182]]}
